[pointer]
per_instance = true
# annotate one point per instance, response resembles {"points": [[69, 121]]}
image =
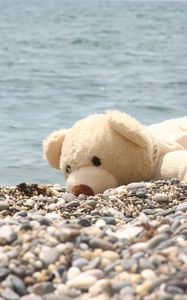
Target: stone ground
{"points": [[127, 243]]}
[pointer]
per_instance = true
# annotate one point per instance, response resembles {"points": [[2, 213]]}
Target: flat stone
{"points": [[4, 273], [91, 203], [80, 262], [18, 285], [149, 211], [156, 240], [141, 194], [182, 206], [9, 294], [43, 288], [135, 186], [102, 244], [171, 289], [81, 281], [165, 212], [159, 197]]}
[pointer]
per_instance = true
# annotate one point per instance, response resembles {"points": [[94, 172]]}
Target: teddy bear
{"points": [[107, 150]]}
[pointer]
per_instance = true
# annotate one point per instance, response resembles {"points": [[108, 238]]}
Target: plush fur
{"points": [[127, 150]]}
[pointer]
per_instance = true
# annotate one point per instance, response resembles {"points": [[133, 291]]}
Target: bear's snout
{"points": [[82, 189]]}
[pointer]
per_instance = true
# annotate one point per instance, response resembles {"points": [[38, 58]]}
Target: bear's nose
{"points": [[82, 189]]}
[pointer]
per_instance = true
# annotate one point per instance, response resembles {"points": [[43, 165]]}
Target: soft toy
{"points": [[107, 150]]}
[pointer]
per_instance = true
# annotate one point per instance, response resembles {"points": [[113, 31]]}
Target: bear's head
{"points": [[100, 152]]}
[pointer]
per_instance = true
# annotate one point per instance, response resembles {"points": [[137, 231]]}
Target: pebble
{"points": [[4, 205], [9, 294], [128, 232], [4, 273], [135, 186], [160, 197], [156, 240], [182, 207], [80, 262], [73, 272], [18, 285], [102, 244], [82, 281], [7, 235], [43, 288], [48, 255], [84, 222]]}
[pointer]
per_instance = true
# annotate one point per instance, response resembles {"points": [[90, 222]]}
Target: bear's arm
{"points": [[173, 165]]}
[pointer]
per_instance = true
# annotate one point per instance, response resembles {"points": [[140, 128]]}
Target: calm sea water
{"points": [[62, 60]]}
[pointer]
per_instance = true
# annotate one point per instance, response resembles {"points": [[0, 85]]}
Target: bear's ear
{"points": [[129, 128], [52, 147]]}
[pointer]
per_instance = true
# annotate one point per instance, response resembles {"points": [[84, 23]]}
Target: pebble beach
{"points": [[127, 243]]}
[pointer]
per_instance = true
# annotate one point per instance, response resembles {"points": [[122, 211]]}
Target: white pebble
{"points": [[100, 223], [128, 232], [73, 272], [81, 281], [148, 274]]}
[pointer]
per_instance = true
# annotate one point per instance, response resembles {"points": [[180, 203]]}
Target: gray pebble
{"points": [[9, 294], [91, 203], [165, 212], [160, 198], [4, 273], [100, 243], [145, 263], [156, 240], [84, 222], [149, 211], [135, 186], [166, 244], [129, 264], [80, 262], [182, 206], [140, 194], [74, 203], [126, 291], [175, 224], [22, 213], [173, 289], [18, 285], [110, 220], [48, 255], [43, 288]]}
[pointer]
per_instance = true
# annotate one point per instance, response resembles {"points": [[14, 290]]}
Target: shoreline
{"points": [[127, 243]]}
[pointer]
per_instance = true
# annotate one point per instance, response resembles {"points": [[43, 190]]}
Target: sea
{"points": [[61, 60]]}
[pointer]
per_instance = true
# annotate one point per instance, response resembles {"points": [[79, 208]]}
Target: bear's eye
{"points": [[68, 169], [96, 161]]}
